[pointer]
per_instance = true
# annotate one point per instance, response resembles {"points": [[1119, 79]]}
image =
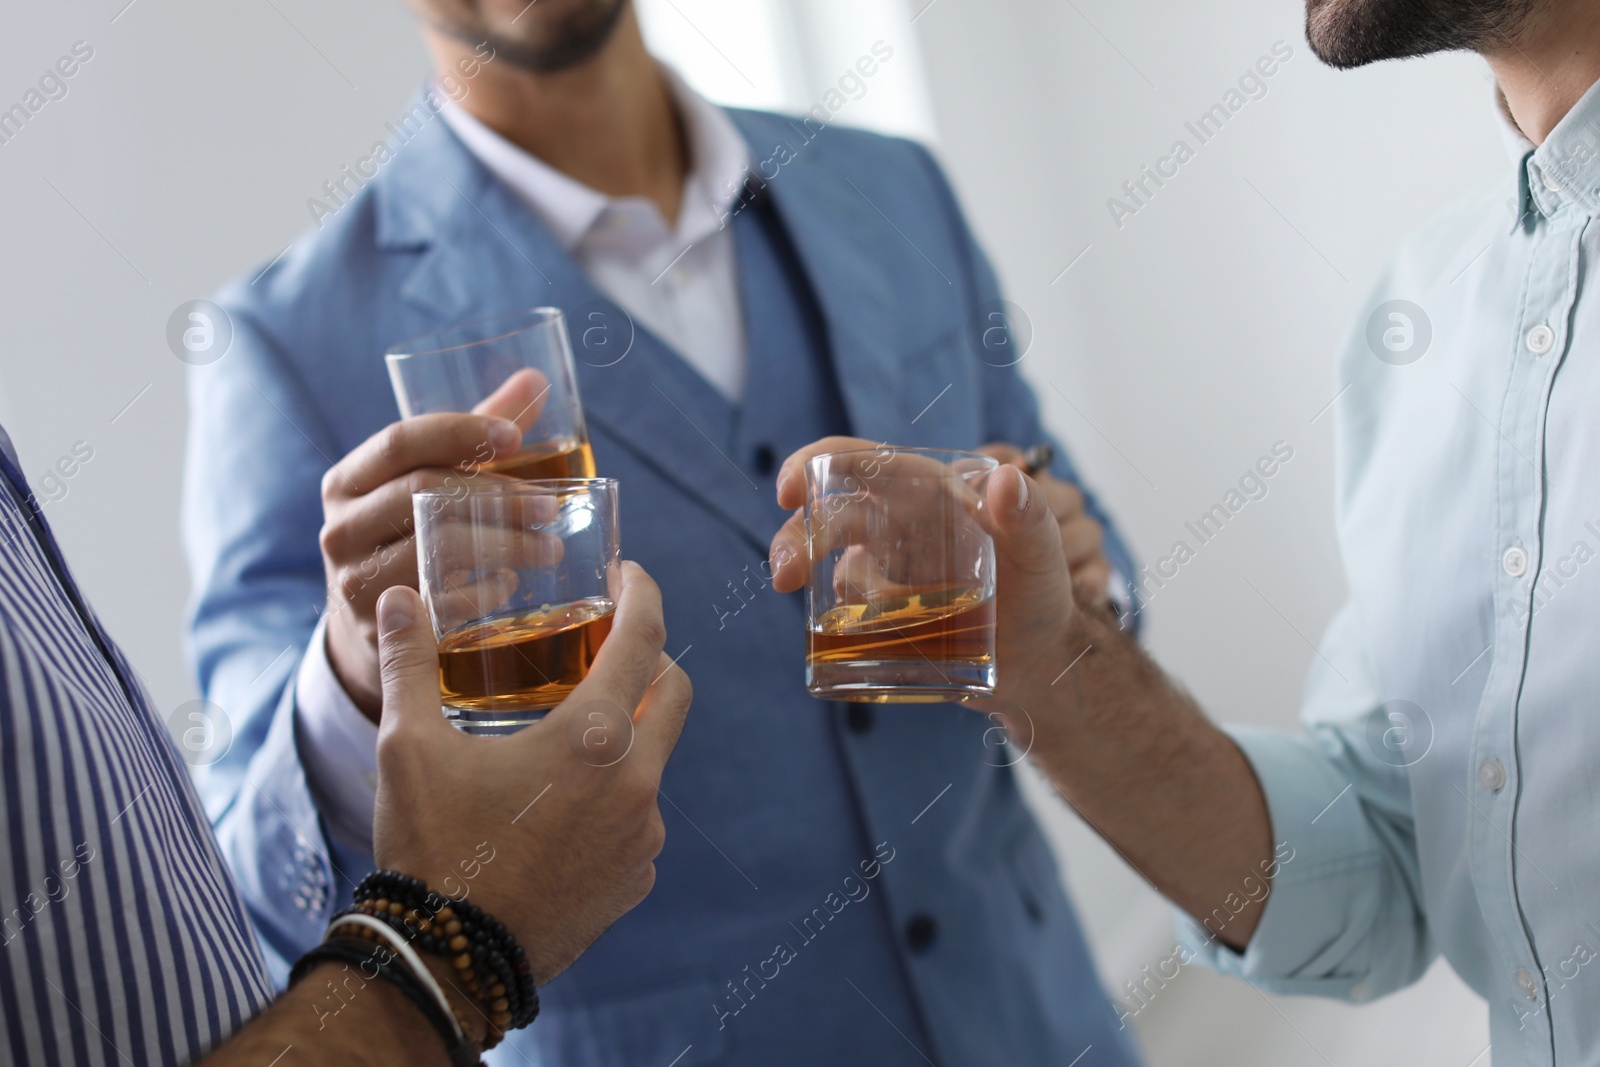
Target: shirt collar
{"points": [[1566, 168], [719, 161], [1518, 147]]}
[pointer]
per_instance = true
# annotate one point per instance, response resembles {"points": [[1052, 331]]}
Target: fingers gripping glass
{"points": [[900, 603], [517, 365], [521, 580]]}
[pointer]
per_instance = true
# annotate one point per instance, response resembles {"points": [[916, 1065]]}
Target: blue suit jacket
{"points": [[765, 941]]}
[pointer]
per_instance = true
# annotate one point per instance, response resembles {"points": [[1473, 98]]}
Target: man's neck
{"points": [[1552, 61], [609, 123]]}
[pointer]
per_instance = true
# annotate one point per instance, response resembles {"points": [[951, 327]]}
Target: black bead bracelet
{"points": [[478, 946]]}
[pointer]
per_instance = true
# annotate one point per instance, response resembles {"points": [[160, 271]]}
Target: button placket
{"points": [[1552, 263]]}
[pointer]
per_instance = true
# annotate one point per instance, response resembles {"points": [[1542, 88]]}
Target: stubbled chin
{"points": [[1327, 26]]}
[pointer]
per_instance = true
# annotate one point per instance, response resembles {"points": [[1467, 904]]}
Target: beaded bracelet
{"points": [[486, 962], [487, 940], [488, 990], [492, 967]]}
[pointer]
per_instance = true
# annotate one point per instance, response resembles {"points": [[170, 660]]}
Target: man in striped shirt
{"points": [[122, 938]]}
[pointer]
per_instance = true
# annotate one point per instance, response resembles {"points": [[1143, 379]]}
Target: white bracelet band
{"points": [[412, 960]]}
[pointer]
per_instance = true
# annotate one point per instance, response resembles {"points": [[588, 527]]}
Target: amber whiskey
{"points": [[549, 459], [928, 646], [524, 661]]}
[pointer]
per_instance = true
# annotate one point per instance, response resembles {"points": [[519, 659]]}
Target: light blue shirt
{"points": [[1447, 797]]}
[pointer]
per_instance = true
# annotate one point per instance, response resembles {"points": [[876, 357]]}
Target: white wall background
{"points": [[1172, 353]]}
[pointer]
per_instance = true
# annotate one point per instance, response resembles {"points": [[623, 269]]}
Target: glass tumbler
{"points": [[520, 579], [901, 601], [457, 369]]}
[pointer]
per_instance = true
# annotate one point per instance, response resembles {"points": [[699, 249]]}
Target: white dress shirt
{"points": [[679, 282], [682, 282]]}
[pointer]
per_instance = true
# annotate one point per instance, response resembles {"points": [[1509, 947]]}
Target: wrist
{"points": [[1042, 689], [1034, 670], [485, 963], [378, 1006]]}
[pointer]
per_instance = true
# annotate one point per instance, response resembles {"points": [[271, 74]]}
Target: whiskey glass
{"points": [[521, 580], [459, 368], [901, 597]]}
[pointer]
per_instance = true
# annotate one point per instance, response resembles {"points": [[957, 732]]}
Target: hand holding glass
{"points": [[900, 602], [521, 580], [460, 369]]}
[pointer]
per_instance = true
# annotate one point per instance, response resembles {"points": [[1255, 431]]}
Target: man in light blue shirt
{"points": [[1445, 798]]}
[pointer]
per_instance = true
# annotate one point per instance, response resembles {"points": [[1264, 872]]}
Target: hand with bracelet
{"points": [[502, 858]]}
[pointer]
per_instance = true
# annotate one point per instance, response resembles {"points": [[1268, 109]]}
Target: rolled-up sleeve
{"points": [[1344, 917]]}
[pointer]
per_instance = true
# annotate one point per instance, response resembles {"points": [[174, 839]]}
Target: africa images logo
{"points": [[1399, 332], [199, 332], [204, 732], [1399, 733]]}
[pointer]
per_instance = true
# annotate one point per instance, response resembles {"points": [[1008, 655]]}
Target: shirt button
{"points": [[1515, 561], [920, 932], [1526, 983], [1540, 339], [859, 719], [1492, 775], [1360, 992], [1548, 182], [765, 461]]}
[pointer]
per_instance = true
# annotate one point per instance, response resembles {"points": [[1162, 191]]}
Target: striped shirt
{"points": [[122, 939]]}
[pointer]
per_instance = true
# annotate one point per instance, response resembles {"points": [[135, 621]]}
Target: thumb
{"points": [[408, 658], [1034, 587]]}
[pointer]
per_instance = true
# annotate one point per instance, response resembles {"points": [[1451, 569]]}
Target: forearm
{"points": [[1138, 760], [336, 1015]]}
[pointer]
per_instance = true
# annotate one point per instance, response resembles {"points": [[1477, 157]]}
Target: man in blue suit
{"points": [[843, 884]]}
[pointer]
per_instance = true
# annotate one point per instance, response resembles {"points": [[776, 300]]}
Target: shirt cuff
{"points": [[338, 748], [1325, 878]]}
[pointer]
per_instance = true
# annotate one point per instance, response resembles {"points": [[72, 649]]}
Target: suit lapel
{"points": [[481, 252], [834, 228]]}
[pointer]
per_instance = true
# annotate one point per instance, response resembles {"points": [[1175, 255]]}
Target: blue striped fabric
{"points": [[122, 939]]}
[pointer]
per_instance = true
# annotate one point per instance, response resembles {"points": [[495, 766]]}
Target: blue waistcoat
{"points": [[838, 886]]}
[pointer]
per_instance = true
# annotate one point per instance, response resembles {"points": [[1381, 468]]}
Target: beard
{"points": [[544, 46], [1353, 33]]}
